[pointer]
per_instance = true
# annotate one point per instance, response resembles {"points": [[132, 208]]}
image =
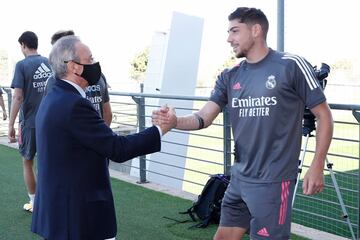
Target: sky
{"points": [[115, 31]]}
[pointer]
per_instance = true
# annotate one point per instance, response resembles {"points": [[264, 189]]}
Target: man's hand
{"points": [[314, 178], [4, 115], [11, 134], [313, 181], [165, 118]]}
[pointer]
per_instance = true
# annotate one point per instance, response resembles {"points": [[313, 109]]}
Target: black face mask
{"points": [[91, 73]]}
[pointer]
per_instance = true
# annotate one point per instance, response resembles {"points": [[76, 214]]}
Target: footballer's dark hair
{"points": [[29, 39], [251, 16]]}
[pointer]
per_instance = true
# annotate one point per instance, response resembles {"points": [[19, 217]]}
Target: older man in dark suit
{"points": [[74, 199]]}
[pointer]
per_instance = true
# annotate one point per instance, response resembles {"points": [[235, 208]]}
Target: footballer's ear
{"points": [[256, 30]]}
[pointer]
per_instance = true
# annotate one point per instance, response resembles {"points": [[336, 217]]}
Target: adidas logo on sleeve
{"points": [[43, 71]]}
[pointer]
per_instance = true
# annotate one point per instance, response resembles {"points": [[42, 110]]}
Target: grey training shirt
{"points": [[31, 75], [266, 101]]}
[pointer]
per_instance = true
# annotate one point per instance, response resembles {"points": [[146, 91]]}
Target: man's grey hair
{"points": [[63, 50]]}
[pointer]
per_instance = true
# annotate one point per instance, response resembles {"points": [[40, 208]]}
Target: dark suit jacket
{"points": [[73, 196]]}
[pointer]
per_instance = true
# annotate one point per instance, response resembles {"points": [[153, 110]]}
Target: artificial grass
{"points": [[140, 211], [14, 222]]}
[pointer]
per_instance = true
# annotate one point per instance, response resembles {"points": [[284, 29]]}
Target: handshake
{"points": [[165, 118]]}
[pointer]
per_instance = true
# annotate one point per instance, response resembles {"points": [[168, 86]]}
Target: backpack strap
{"points": [[205, 222], [178, 221], [202, 224], [190, 212]]}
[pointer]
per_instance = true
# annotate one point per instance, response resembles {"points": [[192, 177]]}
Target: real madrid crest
{"points": [[271, 82]]}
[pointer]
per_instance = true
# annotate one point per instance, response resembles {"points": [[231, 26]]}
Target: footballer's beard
{"points": [[240, 54], [243, 52]]}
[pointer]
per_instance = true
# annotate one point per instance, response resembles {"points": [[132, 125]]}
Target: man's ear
{"points": [[70, 67], [73, 67], [256, 30]]}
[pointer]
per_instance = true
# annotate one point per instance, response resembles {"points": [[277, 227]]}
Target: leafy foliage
{"points": [[139, 66], [229, 63]]}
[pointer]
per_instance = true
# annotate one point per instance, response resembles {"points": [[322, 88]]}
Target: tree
{"points": [[229, 63], [139, 66]]}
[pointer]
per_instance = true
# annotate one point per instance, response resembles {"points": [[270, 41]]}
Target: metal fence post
{"points": [[141, 119], [356, 114], [358, 227], [227, 141]]}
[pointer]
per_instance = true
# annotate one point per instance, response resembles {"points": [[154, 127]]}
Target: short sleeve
{"points": [[19, 77], [105, 94], [306, 84], [219, 94]]}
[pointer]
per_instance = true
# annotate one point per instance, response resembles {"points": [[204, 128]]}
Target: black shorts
{"points": [[27, 142], [263, 208]]}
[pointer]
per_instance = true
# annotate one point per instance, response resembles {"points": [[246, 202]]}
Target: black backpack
{"points": [[208, 205]]}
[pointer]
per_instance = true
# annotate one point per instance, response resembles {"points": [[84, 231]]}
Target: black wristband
{"points": [[200, 120]]}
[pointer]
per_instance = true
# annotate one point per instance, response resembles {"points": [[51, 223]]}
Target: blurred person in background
{"points": [[29, 82], [2, 105]]}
